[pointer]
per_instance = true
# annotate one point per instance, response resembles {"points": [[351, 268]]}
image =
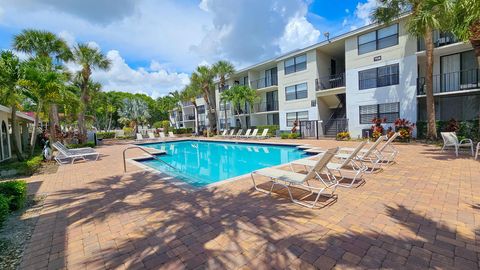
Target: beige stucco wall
{"points": [[407, 46]]}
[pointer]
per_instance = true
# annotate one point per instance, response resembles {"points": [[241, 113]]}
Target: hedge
{"points": [[106, 135], [468, 129], [81, 145], [272, 129], [3, 209], [15, 192], [182, 130]]}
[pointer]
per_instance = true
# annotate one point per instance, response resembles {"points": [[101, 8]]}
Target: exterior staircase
{"points": [[337, 121]]}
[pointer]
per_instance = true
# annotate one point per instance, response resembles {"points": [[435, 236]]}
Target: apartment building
{"points": [[343, 83]]}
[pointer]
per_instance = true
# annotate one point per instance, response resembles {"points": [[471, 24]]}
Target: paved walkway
{"points": [[423, 212]]}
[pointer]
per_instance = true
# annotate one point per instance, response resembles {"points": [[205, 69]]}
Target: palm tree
{"points": [[238, 96], [466, 23], [10, 93], [38, 43], [44, 83], [202, 78], [426, 16], [223, 69], [89, 59], [135, 111], [190, 94]]}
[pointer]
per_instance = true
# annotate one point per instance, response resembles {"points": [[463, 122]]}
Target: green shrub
{"points": [[3, 209], [182, 130], [26, 167], [467, 129], [284, 135], [128, 131], [80, 145], [157, 124], [106, 135], [293, 136], [272, 129], [15, 192], [33, 164]]}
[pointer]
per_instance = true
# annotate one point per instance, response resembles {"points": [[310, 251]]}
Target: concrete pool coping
{"points": [[190, 188]]}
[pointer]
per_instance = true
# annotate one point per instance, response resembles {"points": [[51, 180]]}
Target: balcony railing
{"points": [[189, 117], [331, 81], [242, 110], [265, 106], [450, 82], [224, 107], [264, 82], [439, 40], [187, 103]]}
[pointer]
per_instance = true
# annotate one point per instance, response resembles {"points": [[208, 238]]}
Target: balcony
{"points": [[265, 106], [451, 82], [264, 82], [225, 87], [439, 40], [330, 82], [187, 103], [189, 117]]}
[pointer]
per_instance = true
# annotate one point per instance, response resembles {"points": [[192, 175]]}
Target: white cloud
{"points": [[364, 10], [121, 77], [248, 31], [345, 22], [347, 10], [298, 33]]}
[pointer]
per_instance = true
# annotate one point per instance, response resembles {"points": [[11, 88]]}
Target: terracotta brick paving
{"points": [[423, 212]]}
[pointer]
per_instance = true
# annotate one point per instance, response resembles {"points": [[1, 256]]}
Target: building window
{"points": [[379, 39], [294, 64], [297, 91], [378, 77], [201, 109], [296, 116], [272, 119], [388, 111]]}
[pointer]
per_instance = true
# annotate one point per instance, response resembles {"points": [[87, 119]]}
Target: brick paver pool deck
{"points": [[423, 212]]}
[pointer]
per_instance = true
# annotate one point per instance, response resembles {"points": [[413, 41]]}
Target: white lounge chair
{"points": [[239, 133], [348, 165], [151, 136], [224, 133], [162, 135], [253, 135], [450, 139], [264, 134], [231, 134], [73, 154], [387, 151], [288, 179], [139, 137], [171, 135], [247, 133]]}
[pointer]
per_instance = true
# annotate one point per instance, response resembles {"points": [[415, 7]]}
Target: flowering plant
{"points": [[377, 128], [343, 136], [404, 127]]}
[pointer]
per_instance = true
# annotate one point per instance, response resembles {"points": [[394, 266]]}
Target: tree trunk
{"points": [[53, 122], [431, 126], [82, 129], [15, 143], [110, 122], [196, 120], [33, 139], [225, 109]]}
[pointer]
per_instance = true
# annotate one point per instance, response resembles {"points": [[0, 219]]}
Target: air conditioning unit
{"points": [[313, 103]]}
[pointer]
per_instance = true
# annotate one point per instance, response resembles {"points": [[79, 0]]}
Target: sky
{"points": [[154, 45]]}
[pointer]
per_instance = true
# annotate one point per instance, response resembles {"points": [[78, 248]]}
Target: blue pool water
{"points": [[200, 163]]}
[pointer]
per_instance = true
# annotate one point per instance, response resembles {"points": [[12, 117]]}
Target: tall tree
{"points": [[426, 16], [10, 93], [203, 77], [89, 59], [39, 43], [223, 69], [190, 94], [239, 96], [466, 23], [44, 83], [135, 111]]}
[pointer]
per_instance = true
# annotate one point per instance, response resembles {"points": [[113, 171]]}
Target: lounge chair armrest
{"points": [[466, 140]]}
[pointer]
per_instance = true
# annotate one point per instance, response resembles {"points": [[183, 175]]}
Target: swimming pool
{"points": [[201, 163]]}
